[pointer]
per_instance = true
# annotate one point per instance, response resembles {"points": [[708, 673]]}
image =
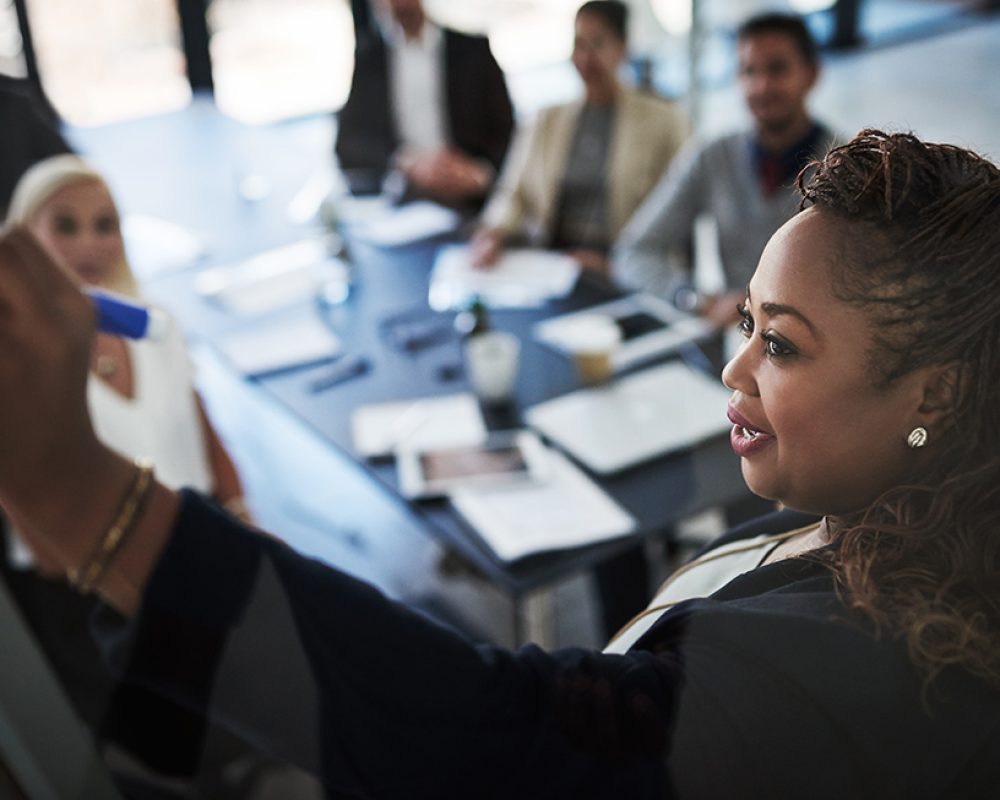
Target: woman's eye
{"points": [[107, 225], [746, 324], [775, 348], [65, 225]]}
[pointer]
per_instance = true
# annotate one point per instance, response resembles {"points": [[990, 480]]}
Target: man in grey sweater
{"points": [[744, 180]]}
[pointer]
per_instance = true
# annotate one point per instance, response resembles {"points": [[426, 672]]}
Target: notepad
{"points": [[280, 346], [639, 417], [566, 510], [522, 278]]}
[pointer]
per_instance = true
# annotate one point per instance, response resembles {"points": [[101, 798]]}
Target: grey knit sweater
{"points": [[718, 179]]}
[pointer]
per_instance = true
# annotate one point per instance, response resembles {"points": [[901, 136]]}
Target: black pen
{"points": [[342, 371]]}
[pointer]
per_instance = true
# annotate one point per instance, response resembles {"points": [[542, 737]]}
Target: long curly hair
{"points": [[922, 258]]}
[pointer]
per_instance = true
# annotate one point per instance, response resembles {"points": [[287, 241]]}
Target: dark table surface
{"points": [[193, 181], [389, 285]]}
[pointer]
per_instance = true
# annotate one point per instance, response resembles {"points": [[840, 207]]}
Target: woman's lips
{"points": [[746, 439]]}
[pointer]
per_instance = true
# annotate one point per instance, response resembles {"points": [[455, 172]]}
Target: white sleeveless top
{"points": [[699, 578], [160, 422]]}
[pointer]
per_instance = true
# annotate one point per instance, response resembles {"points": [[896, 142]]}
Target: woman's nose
{"points": [[738, 373]]}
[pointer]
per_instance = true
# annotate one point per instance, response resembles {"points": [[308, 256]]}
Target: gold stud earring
{"points": [[917, 438]]}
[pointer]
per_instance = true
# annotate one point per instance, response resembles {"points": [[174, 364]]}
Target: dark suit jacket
{"points": [[27, 135], [768, 688], [478, 118]]}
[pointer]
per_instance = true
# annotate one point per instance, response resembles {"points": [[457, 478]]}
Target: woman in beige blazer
{"points": [[574, 178]]}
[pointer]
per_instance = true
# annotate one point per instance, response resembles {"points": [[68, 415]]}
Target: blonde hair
{"points": [[41, 182]]}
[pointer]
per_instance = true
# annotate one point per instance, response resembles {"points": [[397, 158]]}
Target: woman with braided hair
{"points": [[850, 654]]}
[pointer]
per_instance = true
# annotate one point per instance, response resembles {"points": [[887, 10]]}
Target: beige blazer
{"points": [[647, 132]]}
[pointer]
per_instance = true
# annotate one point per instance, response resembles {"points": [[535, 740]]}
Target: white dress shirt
{"points": [[416, 73]]}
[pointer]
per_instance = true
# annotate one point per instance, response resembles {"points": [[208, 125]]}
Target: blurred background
{"points": [[267, 60]]}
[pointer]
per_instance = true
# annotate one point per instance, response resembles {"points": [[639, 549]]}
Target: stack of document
{"points": [[273, 279], [381, 223], [565, 510], [522, 278], [427, 423]]}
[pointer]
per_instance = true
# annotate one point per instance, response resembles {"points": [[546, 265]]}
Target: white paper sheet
{"points": [[273, 279], [523, 278], [567, 510], [281, 345], [420, 424], [158, 245], [380, 223]]}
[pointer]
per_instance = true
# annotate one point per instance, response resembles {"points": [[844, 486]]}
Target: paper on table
{"points": [[566, 510], [423, 424], [273, 279], [158, 245], [523, 278], [380, 223], [279, 346]]}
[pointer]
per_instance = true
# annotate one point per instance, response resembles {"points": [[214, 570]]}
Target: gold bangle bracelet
{"points": [[118, 533], [237, 506]]}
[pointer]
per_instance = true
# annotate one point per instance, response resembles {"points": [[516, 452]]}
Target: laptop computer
{"points": [[635, 418]]}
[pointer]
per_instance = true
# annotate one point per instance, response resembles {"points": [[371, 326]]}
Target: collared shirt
{"points": [[776, 171], [417, 87]]}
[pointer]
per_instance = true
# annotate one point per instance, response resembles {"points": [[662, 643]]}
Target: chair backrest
{"points": [[45, 749]]}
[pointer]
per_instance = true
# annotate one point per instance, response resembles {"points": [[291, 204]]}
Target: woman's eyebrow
{"points": [[778, 310]]}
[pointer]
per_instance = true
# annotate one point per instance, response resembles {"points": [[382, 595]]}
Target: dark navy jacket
{"points": [[768, 689]]}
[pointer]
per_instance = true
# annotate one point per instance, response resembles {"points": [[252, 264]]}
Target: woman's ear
{"points": [[944, 388]]}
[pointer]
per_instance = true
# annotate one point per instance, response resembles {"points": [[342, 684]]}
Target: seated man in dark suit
{"points": [[28, 133], [427, 106]]}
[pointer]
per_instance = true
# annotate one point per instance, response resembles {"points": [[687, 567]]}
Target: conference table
{"points": [[306, 481], [388, 291]]}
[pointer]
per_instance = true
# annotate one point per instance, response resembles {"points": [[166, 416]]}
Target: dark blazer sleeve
{"points": [[479, 108], [366, 132], [761, 692], [407, 708]]}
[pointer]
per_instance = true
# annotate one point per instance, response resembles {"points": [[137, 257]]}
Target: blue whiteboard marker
{"points": [[121, 317]]}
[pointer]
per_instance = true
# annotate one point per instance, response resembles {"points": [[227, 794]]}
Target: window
{"points": [[274, 59], [109, 60]]}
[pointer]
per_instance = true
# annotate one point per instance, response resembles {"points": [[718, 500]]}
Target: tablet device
{"points": [[650, 328], [502, 458]]}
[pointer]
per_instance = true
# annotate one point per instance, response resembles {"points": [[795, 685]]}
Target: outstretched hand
{"points": [[58, 483]]}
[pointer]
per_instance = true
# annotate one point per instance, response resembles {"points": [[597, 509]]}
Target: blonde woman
{"points": [[140, 394]]}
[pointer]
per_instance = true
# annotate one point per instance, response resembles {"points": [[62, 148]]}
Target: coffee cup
{"points": [[595, 338]]}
